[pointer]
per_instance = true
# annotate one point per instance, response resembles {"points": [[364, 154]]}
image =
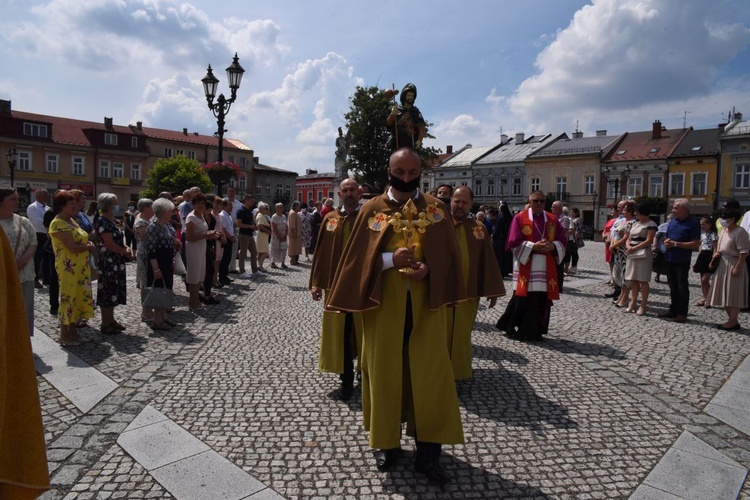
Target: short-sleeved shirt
{"points": [[683, 231], [245, 215]]}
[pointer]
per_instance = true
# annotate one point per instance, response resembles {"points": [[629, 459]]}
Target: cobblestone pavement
{"points": [[587, 413]]}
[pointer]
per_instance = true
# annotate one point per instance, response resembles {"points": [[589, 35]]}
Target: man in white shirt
{"points": [[236, 205], [35, 213], [230, 249]]}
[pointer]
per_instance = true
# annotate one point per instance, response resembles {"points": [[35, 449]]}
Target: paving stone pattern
{"points": [[587, 413]]}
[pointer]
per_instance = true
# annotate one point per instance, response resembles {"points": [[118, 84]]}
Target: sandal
{"points": [[700, 303], [72, 343], [110, 329], [161, 326]]}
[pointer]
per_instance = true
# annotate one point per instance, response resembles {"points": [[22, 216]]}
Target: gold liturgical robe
{"points": [[482, 278], [332, 238], [23, 457], [414, 383]]}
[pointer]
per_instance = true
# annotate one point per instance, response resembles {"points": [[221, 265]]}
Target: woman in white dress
{"points": [[278, 237], [730, 281], [640, 257], [263, 236], [196, 234]]}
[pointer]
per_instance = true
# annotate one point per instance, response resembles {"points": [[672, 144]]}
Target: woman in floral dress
{"points": [[113, 255], [72, 247]]}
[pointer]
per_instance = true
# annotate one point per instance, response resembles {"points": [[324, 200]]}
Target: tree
{"points": [[175, 175], [656, 204], [368, 150]]}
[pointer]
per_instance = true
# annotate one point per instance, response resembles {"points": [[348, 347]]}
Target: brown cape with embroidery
{"points": [[329, 249], [358, 282], [485, 278]]}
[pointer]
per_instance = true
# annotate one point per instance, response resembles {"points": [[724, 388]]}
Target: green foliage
{"points": [[368, 150], [175, 175], [656, 204]]}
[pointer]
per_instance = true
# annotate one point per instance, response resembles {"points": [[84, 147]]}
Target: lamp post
{"points": [[613, 179], [12, 157], [220, 108]]}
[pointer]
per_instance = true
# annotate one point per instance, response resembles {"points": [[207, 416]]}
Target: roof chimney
{"points": [[577, 134], [737, 116], [139, 125], [449, 149], [184, 131], [519, 137], [656, 130], [5, 106], [601, 133], [107, 121]]}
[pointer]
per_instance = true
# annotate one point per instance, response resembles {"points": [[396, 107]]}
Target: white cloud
{"points": [[622, 55]]}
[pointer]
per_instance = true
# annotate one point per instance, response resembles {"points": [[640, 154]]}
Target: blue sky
{"points": [[482, 67]]}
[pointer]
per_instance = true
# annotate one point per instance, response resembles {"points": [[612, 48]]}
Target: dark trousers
{"points": [[561, 274], [41, 258], [679, 292], [226, 258], [347, 377], [426, 452], [208, 281]]}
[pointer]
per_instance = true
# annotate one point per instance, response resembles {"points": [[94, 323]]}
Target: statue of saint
{"points": [[342, 151], [406, 124]]}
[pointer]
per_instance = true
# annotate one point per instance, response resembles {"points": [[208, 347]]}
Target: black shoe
{"points": [[667, 314], [385, 459], [53, 311], [434, 472], [225, 281], [345, 393], [211, 301], [611, 295]]}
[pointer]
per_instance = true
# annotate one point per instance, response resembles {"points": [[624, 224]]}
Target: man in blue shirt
{"points": [[682, 238]]}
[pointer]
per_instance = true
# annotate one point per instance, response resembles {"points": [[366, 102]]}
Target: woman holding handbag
{"points": [[730, 281], [160, 252], [640, 256]]}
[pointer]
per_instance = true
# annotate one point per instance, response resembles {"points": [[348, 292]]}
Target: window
{"points": [[320, 195], [242, 183], [110, 139], [35, 130], [24, 161], [258, 190], [425, 186], [167, 152], [588, 184], [78, 165], [104, 168], [517, 186], [243, 162], [478, 187], [118, 170], [742, 176], [134, 142], [330, 194], [51, 167], [699, 181], [491, 187], [536, 183], [561, 187], [654, 150], [655, 185], [504, 187], [635, 186], [677, 184], [191, 155], [179, 152], [268, 189], [279, 191], [135, 171]]}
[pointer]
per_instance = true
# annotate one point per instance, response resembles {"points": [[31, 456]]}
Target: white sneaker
{"points": [[245, 275]]}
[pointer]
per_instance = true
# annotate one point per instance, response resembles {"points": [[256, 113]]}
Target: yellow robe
{"points": [[482, 278], [23, 458], [417, 385], [332, 238]]}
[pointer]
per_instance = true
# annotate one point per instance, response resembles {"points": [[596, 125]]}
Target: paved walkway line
{"points": [[184, 465], [692, 469], [81, 383], [731, 403]]}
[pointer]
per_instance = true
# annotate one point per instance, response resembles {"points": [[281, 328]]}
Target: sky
{"points": [[482, 67]]}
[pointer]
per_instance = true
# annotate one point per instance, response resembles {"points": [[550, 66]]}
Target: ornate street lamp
{"points": [[12, 157], [220, 108], [613, 178]]}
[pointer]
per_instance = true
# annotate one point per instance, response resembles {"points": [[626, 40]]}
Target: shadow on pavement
{"points": [[567, 346], [402, 480]]}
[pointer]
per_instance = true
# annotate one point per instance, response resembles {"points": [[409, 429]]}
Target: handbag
{"points": [[638, 254], [580, 243], [92, 267], [179, 265], [159, 297]]}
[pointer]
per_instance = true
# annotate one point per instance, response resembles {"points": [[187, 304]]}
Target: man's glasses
{"points": [[538, 201]]}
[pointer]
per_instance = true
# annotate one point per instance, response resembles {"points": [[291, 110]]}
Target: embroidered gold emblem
{"points": [[435, 213], [526, 230], [378, 222], [478, 233], [332, 224]]}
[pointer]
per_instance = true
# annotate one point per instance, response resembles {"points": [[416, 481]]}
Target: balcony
{"points": [[559, 195]]}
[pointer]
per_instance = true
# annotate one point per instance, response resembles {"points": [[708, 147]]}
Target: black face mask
{"points": [[404, 187]]}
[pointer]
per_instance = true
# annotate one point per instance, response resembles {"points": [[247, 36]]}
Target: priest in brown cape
{"points": [[482, 278], [399, 270], [341, 333]]}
